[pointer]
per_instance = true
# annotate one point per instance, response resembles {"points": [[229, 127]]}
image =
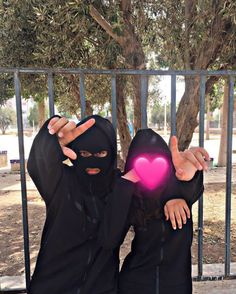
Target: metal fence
{"points": [[144, 74]]}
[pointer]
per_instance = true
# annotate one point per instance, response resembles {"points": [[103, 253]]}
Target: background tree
{"points": [[214, 100], [186, 34], [195, 35], [18, 41], [7, 117], [33, 117]]}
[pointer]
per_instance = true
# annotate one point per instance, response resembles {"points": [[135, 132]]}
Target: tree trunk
{"points": [[42, 113], [76, 92], [131, 46], [223, 138], [186, 117], [122, 126], [88, 108]]}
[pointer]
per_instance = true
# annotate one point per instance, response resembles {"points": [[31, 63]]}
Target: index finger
{"points": [[83, 128]]}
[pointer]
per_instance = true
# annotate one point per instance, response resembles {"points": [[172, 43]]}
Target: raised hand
{"points": [[186, 163], [177, 211], [67, 131]]}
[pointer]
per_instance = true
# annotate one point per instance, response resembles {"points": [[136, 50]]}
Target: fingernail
{"points": [[60, 134], [52, 132], [174, 228], [180, 227]]}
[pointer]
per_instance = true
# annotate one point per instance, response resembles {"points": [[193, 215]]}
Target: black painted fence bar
{"points": [[51, 93], [22, 176], [82, 94], [200, 202], [114, 102], [144, 75], [144, 97], [229, 175], [173, 105]]}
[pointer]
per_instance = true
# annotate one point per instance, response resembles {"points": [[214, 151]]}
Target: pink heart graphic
{"points": [[152, 172]]}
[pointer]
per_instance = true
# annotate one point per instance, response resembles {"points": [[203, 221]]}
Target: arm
{"points": [[45, 162], [191, 190], [115, 220], [48, 151]]}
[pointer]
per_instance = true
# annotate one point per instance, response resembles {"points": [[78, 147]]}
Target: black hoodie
{"points": [[160, 258], [75, 202]]}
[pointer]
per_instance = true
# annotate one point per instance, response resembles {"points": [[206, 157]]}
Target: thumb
{"points": [[69, 153]]}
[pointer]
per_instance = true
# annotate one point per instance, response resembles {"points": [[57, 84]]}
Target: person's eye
{"points": [[84, 153], [102, 153]]}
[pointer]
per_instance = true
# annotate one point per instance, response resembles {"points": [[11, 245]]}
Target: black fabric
{"points": [[160, 257], [98, 138], [70, 247]]}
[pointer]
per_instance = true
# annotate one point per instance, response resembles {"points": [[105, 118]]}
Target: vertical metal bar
{"points": [[51, 94], [113, 102], [173, 105], [229, 175], [200, 202], [23, 178], [144, 94], [82, 95]]}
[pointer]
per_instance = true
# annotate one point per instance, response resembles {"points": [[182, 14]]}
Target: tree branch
{"points": [[105, 25]]}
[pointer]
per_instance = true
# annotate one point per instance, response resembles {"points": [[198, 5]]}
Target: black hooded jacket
{"points": [[72, 259], [160, 257]]}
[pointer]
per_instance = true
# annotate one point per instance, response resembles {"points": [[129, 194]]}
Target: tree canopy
{"points": [[186, 34]]}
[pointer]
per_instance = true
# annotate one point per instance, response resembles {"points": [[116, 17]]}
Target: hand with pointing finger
{"points": [[67, 131], [186, 163]]}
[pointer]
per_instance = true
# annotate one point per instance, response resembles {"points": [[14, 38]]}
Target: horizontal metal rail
{"points": [[119, 71]]}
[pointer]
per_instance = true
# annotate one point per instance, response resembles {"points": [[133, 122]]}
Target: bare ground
{"points": [[11, 240]]}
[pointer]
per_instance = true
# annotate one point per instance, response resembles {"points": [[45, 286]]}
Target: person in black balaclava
{"points": [[71, 258], [160, 257]]}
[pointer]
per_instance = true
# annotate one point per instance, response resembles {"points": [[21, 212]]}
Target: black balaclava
{"points": [[101, 136]]}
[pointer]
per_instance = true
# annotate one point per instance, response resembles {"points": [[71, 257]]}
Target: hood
{"points": [[101, 136], [149, 145]]}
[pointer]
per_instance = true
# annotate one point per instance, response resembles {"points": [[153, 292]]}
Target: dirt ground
{"points": [[11, 241]]}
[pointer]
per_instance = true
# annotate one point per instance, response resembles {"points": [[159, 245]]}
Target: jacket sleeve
{"points": [[190, 191], [45, 165], [114, 225]]}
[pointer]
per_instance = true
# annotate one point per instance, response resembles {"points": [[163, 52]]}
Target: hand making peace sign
{"points": [[67, 131]]}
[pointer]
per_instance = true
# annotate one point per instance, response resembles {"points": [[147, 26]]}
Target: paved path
{"points": [[211, 287]]}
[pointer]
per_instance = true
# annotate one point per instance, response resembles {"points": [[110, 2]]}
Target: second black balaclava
{"points": [[101, 136]]}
